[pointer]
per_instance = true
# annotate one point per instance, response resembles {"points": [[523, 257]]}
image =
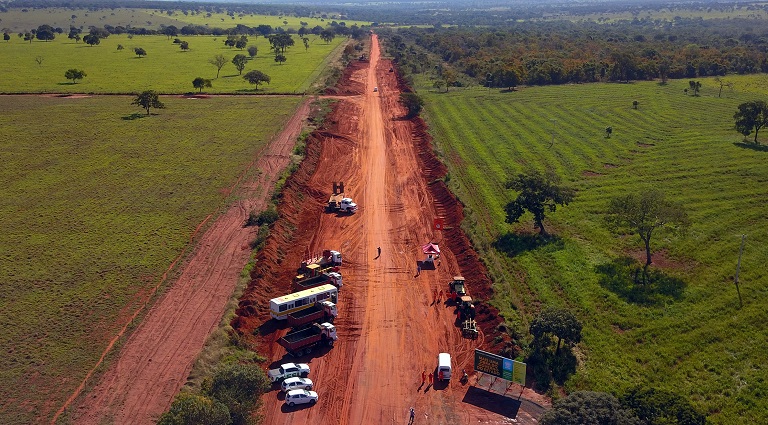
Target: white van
{"points": [[444, 366]]}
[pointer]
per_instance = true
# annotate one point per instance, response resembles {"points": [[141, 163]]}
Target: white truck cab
{"points": [[444, 366], [348, 205]]}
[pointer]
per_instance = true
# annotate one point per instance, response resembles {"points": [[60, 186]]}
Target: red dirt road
{"points": [[154, 363], [390, 327]]}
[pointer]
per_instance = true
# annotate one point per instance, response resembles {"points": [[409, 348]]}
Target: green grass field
{"points": [[165, 69], [96, 203], [16, 20], [700, 345]]}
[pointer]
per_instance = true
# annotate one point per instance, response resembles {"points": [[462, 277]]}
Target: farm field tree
{"points": [[91, 39], [74, 75], [218, 61], [412, 102], [643, 214], [240, 61], [559, 323], [200, 83], [148, 99], [539, 193], [140, 52], [751, 116], [256, 78]]}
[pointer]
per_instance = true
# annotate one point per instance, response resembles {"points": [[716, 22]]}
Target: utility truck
{"points": [[313, 266], [333, 278], [338, 202], [298, 342], [322, 311]]}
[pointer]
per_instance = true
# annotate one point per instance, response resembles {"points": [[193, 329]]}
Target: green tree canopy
{"points": [[240, 61], [589, 408], [200, 83], [539, 193], [74, 75], [239, 386], [751, 116], [256, 78], [643, 213], [190, 409], [91, 39], [139, 51], [412, 103], [148, 99], [559, 323], [218, 61]]}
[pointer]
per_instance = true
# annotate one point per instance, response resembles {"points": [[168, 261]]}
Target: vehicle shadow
{"points": [[286, 408]]}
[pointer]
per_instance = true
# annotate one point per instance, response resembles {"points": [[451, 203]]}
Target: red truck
{"points": [[323, 311], [332, 278], [298, 342]]}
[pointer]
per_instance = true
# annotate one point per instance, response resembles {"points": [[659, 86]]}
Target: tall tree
{"points": [[45, 33], [695, 87], [200, 83], [184, 46], [240, 61], [74, 75], [751, 116], [91, 39], [588, 407], [218, 61], [139, 51], [327, 35], [559, 323], [643, 214], [280, 58], [148, 99], [252, 51], [256, 78], [539, 193]]}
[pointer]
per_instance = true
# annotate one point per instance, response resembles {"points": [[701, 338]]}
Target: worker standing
{"points": [[412, 415], [430, 378], [423, 377], [378, 251], [440, 376]]}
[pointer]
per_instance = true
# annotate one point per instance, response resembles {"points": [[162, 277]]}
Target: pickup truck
{"points": [[288, 370]]}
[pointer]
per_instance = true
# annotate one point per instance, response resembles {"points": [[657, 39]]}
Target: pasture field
{"points": [[666, 14], [698, 343], [17, 20], [97, 202], [166, 68]]}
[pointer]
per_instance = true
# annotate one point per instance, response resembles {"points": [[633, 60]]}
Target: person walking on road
{"points": [[418, 269], [412, 415], [423, 377], [378, 252]]}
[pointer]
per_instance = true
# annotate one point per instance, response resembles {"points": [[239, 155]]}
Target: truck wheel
{"points": [[308, 350]]}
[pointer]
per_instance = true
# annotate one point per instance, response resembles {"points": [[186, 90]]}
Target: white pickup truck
{"points": [[288, 370]]}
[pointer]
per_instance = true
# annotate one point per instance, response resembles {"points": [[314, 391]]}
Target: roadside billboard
{"points": [[501, 367]]}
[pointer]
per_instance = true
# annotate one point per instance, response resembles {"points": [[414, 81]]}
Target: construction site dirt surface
{"points": [[390, 325]]}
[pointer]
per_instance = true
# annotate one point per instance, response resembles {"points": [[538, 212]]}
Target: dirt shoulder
{"points": [[155, 361]]}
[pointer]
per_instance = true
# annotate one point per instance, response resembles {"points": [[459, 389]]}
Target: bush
{"points": [[190, 409], [239, 386], [268, 216]]}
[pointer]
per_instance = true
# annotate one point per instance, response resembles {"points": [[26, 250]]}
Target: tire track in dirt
{"points": [[156, 359]]}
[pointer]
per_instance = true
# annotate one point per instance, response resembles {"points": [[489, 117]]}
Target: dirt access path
{"points": [[390, 326], [156, 360]]}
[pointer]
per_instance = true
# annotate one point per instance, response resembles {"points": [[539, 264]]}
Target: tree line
{"points": [[542, 53]]}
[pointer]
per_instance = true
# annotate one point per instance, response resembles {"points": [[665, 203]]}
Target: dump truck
{"points": [[323, 311], [329, 258], [338, 202], [302, 341], [333, 278]]}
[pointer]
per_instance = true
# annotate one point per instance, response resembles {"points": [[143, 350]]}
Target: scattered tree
{"points": [[252, 51], [91, 39], [241, 43], [558, 323], [39, 60], [240, 61], [191, 409], [148, 99], [412, 103], [218, 61], [695, 86], [139, 52], [723, 83], [539, 193], [439, 84], [634, 104], [256, 78], [28, 36], [120, 47], [305, 40], [644, 213], [588, 407], [200, 83], [327, 35], [751, 116], [45, 33], [6, 36], [608, 132], [74, 75], [280, 58], [184, 46]]}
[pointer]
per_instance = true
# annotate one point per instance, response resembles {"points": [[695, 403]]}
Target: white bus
{"points": [[281, 307]]}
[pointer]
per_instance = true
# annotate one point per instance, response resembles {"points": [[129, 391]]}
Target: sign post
{"points": [[500, 367]]}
